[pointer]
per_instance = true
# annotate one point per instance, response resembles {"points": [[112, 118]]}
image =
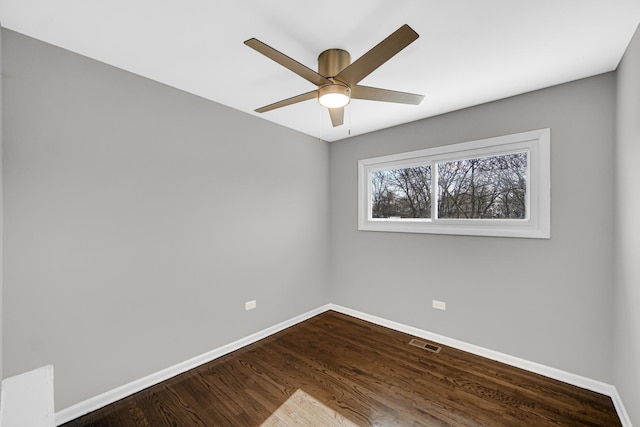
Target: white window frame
{"points": [[537, 223]]}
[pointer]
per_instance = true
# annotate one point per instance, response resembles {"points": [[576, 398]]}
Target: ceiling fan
{"points": [[337, 78]]}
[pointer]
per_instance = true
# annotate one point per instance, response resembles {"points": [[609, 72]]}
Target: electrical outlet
{"points": [[250, 305], [440, 305]]}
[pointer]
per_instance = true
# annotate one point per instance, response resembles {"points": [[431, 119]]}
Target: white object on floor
{"points": [[27, 399]]}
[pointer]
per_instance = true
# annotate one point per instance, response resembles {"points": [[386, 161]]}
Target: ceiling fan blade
{"points": [[378, 55], [288, 101], [377, 94], [337, 116], [293, 65]]}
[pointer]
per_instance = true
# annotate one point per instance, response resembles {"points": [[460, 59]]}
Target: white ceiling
{"points": [[469, 51]]}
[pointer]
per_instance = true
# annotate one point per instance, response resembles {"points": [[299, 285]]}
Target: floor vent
{"points": [[425, 345]]}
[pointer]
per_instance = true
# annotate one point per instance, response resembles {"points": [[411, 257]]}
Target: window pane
{"points": [[483, 188], [401, 193]]}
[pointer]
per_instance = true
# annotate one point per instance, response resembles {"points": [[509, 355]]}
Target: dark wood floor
{"points": [[368, 374]]}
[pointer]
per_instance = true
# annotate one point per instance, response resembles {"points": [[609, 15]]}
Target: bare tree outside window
{"points": [[483, 188], [401, 193], [492, 187]]}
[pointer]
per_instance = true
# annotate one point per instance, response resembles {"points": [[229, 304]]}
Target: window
{"points": [[492, 187]]}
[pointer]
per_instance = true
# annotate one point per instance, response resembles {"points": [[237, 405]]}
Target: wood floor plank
{"points": [[355, 372]]}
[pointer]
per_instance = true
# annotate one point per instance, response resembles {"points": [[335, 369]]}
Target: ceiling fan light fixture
{"points": [[334, 95]]}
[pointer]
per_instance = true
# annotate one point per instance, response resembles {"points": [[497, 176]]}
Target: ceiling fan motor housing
{"points": [[332, 61]]}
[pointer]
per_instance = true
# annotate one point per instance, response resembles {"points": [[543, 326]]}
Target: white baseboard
{"points": [[620, 409], [111, 396], [121, 392]]}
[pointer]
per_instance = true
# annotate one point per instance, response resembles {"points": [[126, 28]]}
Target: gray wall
{"points": [[139, 219], [626, 352], [548, 301], [1, 219]]}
